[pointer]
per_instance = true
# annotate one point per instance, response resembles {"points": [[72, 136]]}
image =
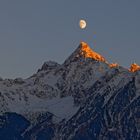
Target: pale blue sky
{"points": [[35, 31]]}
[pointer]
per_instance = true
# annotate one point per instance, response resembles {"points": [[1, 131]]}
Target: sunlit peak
{"points": [[113, 65], [134, 67], [87, 52]]}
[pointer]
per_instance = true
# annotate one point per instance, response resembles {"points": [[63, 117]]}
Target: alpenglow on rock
{"points": [[85, 98]]}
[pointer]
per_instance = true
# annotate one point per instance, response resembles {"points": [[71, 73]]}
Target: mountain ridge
{"points": [[84, 51]]}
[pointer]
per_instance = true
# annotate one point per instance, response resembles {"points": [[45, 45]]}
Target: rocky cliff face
{"points": [[83, 98]]}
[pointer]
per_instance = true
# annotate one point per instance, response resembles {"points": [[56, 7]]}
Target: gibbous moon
{"points": [[82, 24]]}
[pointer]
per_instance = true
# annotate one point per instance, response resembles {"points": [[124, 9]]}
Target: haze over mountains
{"points": [[84, 98]]}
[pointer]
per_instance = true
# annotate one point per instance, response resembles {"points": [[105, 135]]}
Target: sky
{"points": [[35, 31]]}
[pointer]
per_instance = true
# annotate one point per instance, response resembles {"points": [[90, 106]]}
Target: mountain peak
{"points": [[85, 51], [113, 65], [48, 65], [134, 67]]}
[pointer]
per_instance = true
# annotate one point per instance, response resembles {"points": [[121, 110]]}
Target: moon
{"points": [[82, 24]]}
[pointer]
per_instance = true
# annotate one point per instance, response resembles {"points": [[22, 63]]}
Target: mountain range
{"points": [[85, 98]]}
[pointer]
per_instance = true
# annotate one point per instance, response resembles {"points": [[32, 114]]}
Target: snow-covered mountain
{"points": [[84, 98]]}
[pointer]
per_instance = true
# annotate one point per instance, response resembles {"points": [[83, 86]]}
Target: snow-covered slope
{"points": [[53, 81], [83, 98]]}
